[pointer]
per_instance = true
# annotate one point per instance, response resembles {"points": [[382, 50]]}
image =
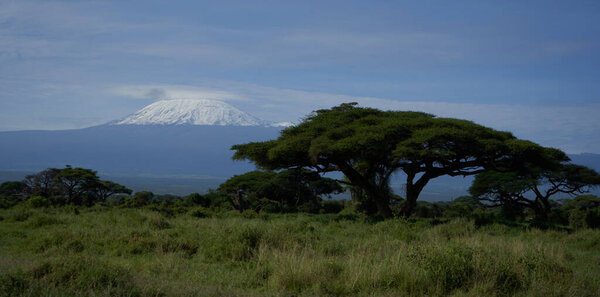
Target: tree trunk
{"points": [[377, 194], [382, 202], [411, 201], [412, 193], [542, 208]]}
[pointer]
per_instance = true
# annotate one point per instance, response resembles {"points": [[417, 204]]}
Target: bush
{"points": [[333, 206], [349, 213], [197, 199], [592, 218], [458, 210], [140, 199], [38, 201], [577, 219], [249, 214], [199, 212]]}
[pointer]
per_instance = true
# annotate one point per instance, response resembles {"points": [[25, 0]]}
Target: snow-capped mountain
{"points": [[193, 112], [180, 137]]}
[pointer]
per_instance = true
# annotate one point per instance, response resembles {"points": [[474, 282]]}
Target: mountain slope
{"points": [[133, 149], [191, 112]]}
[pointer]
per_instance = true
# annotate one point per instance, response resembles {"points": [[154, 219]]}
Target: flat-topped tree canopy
{"points": [[368, 145]]}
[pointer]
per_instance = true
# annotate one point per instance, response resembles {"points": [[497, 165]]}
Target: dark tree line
{"points": [[78, 186]]}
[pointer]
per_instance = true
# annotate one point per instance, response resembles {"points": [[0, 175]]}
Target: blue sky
{"points": [[531, 68]]}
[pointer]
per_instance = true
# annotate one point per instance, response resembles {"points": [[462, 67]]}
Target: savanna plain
{"points": [[104, 251]]}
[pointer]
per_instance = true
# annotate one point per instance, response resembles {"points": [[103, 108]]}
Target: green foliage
{"points": [[107, 251], [76, 276], [38, 201], [197, 199], [289, 190], [333, 206], [582, 202], [369, 145], [200, 212], [531, 186], [140, 199], [13, 190], [77, 186], [577, 219]]}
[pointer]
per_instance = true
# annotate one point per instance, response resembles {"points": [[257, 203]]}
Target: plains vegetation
{"points": [[527, 227]]}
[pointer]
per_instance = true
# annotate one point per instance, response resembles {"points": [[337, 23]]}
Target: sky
{"points": [[529, 67]]}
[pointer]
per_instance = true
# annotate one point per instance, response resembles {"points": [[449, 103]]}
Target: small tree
{"points": [[533, 186], [288, 189], [13, 190], [43, 183], [140, 199], [104, 189], [76, 185], [75, 182]]}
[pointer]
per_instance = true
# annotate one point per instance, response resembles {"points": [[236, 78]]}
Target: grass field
{"points": [[138, 252]]}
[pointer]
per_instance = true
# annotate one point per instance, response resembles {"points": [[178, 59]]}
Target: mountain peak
{"points": [[191, 112]]}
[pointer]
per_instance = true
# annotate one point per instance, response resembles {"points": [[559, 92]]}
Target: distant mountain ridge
{"points": [[193, 112]]}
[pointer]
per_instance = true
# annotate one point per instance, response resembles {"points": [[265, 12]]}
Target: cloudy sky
{"points": [[531, 68]]}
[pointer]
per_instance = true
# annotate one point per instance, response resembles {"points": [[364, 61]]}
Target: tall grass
{"points": [[139, 252]]}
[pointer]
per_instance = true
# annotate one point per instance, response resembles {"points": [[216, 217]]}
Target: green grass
{"points": [[139, 252]]}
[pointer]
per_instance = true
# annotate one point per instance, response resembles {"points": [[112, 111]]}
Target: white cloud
{"points": [[166, 92]]}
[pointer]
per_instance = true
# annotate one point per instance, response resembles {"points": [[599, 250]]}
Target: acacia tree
{"points": [[13, 190], [43, 183], [289, 189], [77, 185], [369, 145], [75, 182], [105, 189], [532, 187]]}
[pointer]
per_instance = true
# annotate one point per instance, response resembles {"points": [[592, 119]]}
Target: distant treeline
{"points": [[262, 192]]}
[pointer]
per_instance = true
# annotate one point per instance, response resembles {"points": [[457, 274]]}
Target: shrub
{"points": [[249, 214], [199, 212], [592, 218], [38, 201], [577, 219], [333, 206], [197, 199], [140, 199]]}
